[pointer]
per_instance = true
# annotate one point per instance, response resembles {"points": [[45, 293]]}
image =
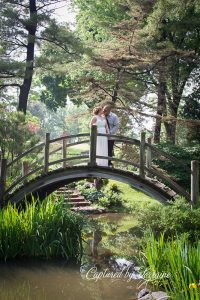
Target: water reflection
{"points": [[97, 237], [43, 280], [35, 280]]}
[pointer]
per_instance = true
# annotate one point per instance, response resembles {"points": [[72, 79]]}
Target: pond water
{"points": [[107, 245]]}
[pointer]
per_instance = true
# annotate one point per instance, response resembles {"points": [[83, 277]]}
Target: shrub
{"points": [[173, 219], [109, 197], [90, 193]]}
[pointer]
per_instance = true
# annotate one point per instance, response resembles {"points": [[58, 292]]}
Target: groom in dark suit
{"points": [[113, 124]]}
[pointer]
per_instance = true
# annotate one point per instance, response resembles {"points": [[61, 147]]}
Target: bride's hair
{"points": [[96, 110]]}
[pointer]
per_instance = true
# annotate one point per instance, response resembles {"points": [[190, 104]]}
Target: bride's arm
{"points": [[93, 121]]}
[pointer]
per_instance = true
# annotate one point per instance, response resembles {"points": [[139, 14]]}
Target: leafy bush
{"points": [[173, 219], [114, 188], [109, 197], [103, 201], [89, 192]]}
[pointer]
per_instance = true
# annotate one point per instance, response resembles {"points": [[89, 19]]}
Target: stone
{"points": [[143, 293], [159, 295], [146, 297]]}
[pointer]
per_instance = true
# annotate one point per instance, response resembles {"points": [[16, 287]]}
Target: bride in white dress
{"points": [[102, 141]]}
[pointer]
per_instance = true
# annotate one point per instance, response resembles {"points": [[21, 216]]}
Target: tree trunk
{"points": [[31, 27], [116, 87], [160, 106], [170, 126]]}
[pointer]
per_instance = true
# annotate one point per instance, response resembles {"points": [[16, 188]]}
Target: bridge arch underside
{"points": [[46, 184]]}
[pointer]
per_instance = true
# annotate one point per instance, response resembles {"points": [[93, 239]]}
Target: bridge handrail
{"points": [[154, 171], [119, 138], [22, 178], [68, 137], [58, 149], [67, 159], [25, 153], [151, 170], [169, 156]]}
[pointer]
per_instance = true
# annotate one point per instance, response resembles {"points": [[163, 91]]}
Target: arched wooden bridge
{"points": [[48, 166]]}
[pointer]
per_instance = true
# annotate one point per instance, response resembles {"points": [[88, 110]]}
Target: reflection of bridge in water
{"points": [[48, 166]]}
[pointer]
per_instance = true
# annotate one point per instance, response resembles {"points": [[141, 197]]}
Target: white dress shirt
{"points": [[113, 121]]}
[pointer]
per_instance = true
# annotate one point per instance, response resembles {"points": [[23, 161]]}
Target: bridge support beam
{"points": [[64, 152], [142, 154], [93, 146], [2, 180], [149, 157], [46, 153], [25, 169], [194, 182]]}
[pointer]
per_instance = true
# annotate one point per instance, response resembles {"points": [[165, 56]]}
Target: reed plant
{"points": [[47, 229], [172, 264]]}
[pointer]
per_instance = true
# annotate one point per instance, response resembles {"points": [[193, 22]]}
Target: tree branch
{"points": [[47, 4], [57, 44], [9, 84]]}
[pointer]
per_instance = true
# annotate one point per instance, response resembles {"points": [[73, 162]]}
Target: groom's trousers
{"points": [[110, 150]]}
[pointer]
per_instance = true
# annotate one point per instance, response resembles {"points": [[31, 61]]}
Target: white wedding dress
{"points": [[102, 141]]}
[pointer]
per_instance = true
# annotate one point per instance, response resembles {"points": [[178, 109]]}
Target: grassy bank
{"points": [[115, 196], [43, 230], [132, 199]]}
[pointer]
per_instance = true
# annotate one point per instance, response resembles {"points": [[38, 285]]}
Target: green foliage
{"points": [[44, 230], [19, 22], [96, 17], [108, 197], [17, 132], [191, 110], [112, 196], [184, 153], [173, 264], [90, 193], [174, 219], [55, 94]]}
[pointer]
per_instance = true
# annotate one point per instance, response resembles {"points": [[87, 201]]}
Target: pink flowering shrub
{"points": [[33, 127]]}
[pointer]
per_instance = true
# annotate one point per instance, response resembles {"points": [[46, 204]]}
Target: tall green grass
{"points": [[173, 264], [45, 230]]}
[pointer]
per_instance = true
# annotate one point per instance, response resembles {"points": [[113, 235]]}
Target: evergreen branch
{"points": [[57, 44], [20, 4], [2, 86], [7, 76], [47, 4], [132, 111]]}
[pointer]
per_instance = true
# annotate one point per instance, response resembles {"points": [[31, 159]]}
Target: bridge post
{"points": [[93, 146], [64, 151], [46, 153], [3, 179], [149, 157], [25, 169], [194, 182], [142, 154]]}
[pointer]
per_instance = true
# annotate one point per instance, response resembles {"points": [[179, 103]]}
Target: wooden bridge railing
{"points": [[143, 163]]}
